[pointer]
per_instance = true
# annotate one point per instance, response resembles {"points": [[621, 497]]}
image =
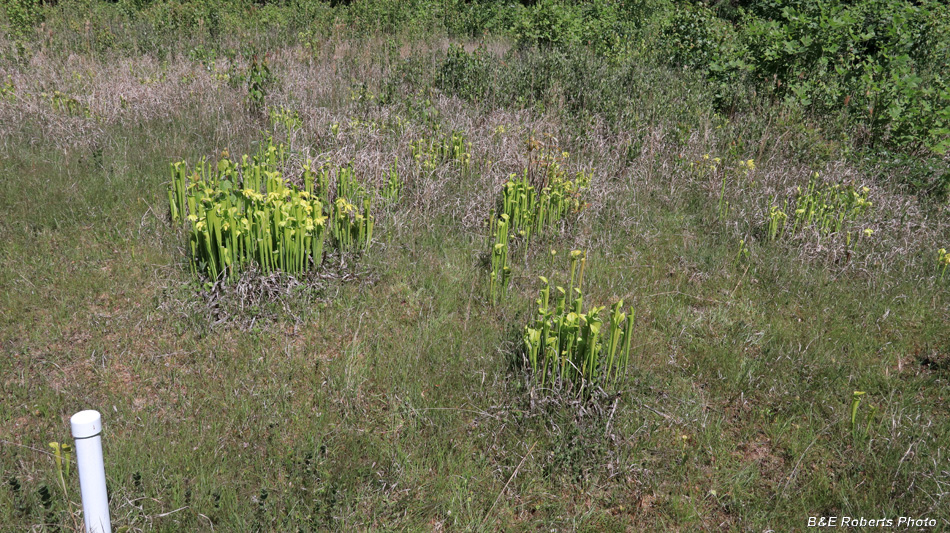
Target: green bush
{"points": [[604, 25], [881, 62], [257, 79], [22, 16], [393, 16], [694, 37], [179, 16], [464, 74], [548, 22]]}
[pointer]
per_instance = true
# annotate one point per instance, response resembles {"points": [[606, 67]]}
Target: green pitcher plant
{"points": [[238, 214], [565, 345], [825, 207]]}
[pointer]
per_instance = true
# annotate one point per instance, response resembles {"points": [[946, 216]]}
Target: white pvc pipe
{"points": [[87, 430]]}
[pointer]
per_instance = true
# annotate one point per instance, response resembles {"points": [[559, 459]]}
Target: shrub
{"points": [[259, 80], [464, 74], [882, 62], [548, 22], [23, 15]]}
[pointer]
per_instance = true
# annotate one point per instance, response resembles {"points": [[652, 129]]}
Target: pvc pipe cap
{"points": [[86, 424]]}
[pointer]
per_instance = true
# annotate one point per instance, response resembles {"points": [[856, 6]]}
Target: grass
{"points": [[383, 392]]}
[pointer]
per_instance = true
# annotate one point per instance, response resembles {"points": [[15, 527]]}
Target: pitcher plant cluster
{"points": [[236, 214], [943, 261], [822, 206], [500, 264], [526, 209], [431, 152], [709, 165], [350, 212], [8, 90], [67, 104], [285, 118], [529, 209], [563, 344]]}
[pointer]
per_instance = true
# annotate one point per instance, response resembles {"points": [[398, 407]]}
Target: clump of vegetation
{"points": [[880, 63], [352, 229], [286, 118], [23, 15], [8, 90], [351, 221], [530, 210], [66, 104], [465, 74], [394, 184], [500, 263], [824, 207], [431, 152], [943, 261], [527, 208], [234, 218], [258, 80], [567, 346], [238, 214]]}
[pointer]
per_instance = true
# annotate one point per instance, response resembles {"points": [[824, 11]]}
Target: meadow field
{"points": [[473, 266]]}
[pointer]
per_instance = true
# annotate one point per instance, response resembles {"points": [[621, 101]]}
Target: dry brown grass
{"points": [[320, 85]]}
